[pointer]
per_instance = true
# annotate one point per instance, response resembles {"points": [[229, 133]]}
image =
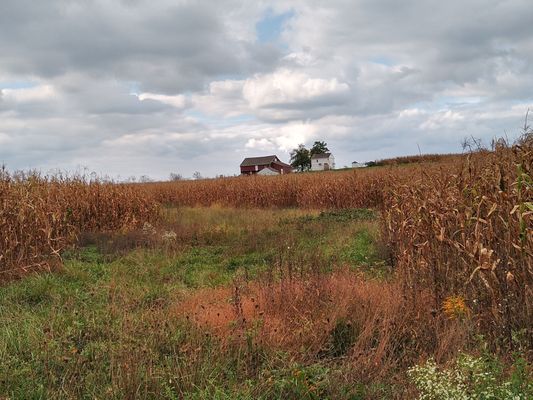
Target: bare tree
{"points": [[471, 144], [175, 177], [145, 179], [197, 175]]}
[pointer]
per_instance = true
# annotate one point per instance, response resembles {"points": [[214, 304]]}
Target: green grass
{"points": [[102, 326], [106, 325]]}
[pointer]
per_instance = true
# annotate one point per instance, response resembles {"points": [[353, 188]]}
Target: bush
{"points": [[471, 378]]}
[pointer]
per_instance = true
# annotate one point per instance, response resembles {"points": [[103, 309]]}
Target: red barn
{"points": [[252, 165]]}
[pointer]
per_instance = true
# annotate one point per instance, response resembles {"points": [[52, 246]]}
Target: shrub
{"points": [[470, 378]]}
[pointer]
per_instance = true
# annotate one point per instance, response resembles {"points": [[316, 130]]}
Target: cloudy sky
{"points": [[149, 87]]}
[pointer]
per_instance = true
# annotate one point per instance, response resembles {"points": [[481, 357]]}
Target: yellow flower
{"points": [[455, 307]]}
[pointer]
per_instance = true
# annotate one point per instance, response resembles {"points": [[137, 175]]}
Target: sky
{"points": [[152, 87]]}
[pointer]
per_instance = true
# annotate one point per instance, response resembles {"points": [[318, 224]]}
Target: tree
{"points": [[175, 176], [197, 175], [145, 179], [301, 158], [319, 148]]}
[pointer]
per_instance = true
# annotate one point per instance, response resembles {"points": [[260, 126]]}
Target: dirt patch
{"points": [[334, 315]]}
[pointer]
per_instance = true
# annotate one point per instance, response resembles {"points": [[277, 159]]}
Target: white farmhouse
{"points": [[322, 162]]}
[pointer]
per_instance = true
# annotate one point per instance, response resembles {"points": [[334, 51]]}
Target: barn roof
{"points": [[284, 164], [251, 161], [320, 155]]}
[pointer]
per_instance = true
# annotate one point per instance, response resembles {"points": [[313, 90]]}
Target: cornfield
{"points": [[467, 232], [458, 229], [40, 216], [329, 190]]}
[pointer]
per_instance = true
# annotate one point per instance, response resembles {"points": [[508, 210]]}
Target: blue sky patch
{"points": [[383, 60], [269, 28], [17, 85]]}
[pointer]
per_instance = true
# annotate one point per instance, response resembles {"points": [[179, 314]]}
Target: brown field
{"points": [[459, 227], [41, 216], [456, 234]]}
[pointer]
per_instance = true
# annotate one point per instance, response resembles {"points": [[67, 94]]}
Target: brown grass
{"points": [[368, 323]]}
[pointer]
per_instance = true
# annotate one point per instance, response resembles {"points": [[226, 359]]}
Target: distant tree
{"points": [[145, 179], [197, 175], [319, 148], [175, 177], [472, 144], [300, 158]]}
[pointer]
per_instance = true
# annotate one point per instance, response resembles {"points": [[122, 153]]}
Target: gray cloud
{"points": [[149, 87], [165, 46]]}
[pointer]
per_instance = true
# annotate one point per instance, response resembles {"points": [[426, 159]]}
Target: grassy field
{"points": [[228, 304], [118, 320], [387, 283]]}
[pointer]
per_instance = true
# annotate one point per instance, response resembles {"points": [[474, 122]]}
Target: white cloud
{"points": [[369, 77], [177, 101], [410, 113], [288, 88], [282, 137], [260, 144], [25, 95], [223, 99], [442, 119]]}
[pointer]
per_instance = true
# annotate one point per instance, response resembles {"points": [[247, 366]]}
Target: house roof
{"points": [[251, 161], [320, 155], [269, 169]]}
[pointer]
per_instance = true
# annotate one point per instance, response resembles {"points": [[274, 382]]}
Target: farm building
{"points": [[322, 162], [268, 171], [268, 165]]}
